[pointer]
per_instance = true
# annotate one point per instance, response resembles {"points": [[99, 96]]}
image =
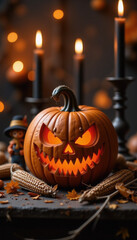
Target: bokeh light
{"points": [[18, 66], [1, 106], [12, 37], [31, 75], [102, 100], [58, 14]]}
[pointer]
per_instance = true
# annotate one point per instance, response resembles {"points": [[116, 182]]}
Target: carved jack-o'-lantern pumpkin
{"points": [[70, 145]]}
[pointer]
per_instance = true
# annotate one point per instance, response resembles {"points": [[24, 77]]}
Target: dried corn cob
{"points": [[5, 169], [31, 183], [107, 186]]}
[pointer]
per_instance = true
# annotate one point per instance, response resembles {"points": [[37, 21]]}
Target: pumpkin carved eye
{"points": [[48, 137], [88, 138]]}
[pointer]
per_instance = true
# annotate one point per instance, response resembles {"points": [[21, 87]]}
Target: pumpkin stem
{"points": [[70, 102]]}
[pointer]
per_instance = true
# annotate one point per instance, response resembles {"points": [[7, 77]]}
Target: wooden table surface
{"points": [[49, 217]]}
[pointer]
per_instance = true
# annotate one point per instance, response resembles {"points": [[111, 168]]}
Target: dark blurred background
{"points": [[90, 20]]}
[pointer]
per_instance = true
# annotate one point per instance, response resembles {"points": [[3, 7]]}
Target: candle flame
{"points": [[78, 46], [38, 39], [18, 66], [120, 8]]}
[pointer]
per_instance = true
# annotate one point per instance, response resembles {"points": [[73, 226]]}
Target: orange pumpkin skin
{"points": [[71, 145]]}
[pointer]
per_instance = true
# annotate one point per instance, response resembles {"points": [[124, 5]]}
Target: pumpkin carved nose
{"points": [[68, 149]]}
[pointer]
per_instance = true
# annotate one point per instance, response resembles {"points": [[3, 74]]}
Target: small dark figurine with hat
{"points": [[17, 130]]}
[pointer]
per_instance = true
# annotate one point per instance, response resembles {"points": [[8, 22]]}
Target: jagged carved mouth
{"points": [[72, 168]]}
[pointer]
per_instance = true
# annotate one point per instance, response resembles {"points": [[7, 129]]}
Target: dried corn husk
{"points": [[108, 185], [31, 183]]}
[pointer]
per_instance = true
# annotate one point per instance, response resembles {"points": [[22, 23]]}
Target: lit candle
{"points": [[78, 70], [38, 66], [119, 42]]}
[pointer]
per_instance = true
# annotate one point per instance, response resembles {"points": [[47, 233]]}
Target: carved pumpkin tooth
{"points": [[91, 155], [57, 172], [88, 168], [72, 174], [68, 160], [97, 161], [55, 160], [47, 166], [80, 159], [44, 154], [62, 173], [95, 151], [78, 173], [67, 173], [50, 157], [92, 165]]}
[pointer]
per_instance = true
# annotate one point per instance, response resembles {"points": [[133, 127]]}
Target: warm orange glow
{"points": [[101, 99], [1, 106], [75, 167], [48, 137], [120, 8], [78, 46], [18, 66], [31, 75], [88, 138], [12, 37], [38, 39], [58, 14], [68, 149]]}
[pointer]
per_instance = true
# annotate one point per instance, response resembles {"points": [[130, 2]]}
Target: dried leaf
{"points": [[12, 187], [125, 192], [73, 195], [36, 197], [124, 233], [134, 199], [21, 193], [32, 194], [4, 202], [48, 201], [15, 195], [122, 201], [113, 206]]}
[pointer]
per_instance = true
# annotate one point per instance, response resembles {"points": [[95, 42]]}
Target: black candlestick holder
{"points": [[120, 124], [36, 104]]}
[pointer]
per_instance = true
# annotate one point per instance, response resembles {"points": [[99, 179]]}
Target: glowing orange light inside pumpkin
{"points": [[1, 106], [49, 138], [58, 14], [68, 149], [78, 46], [88, 138], [38, 39], [120, 8], [12, 37], [18, 66], [71, 168]]}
